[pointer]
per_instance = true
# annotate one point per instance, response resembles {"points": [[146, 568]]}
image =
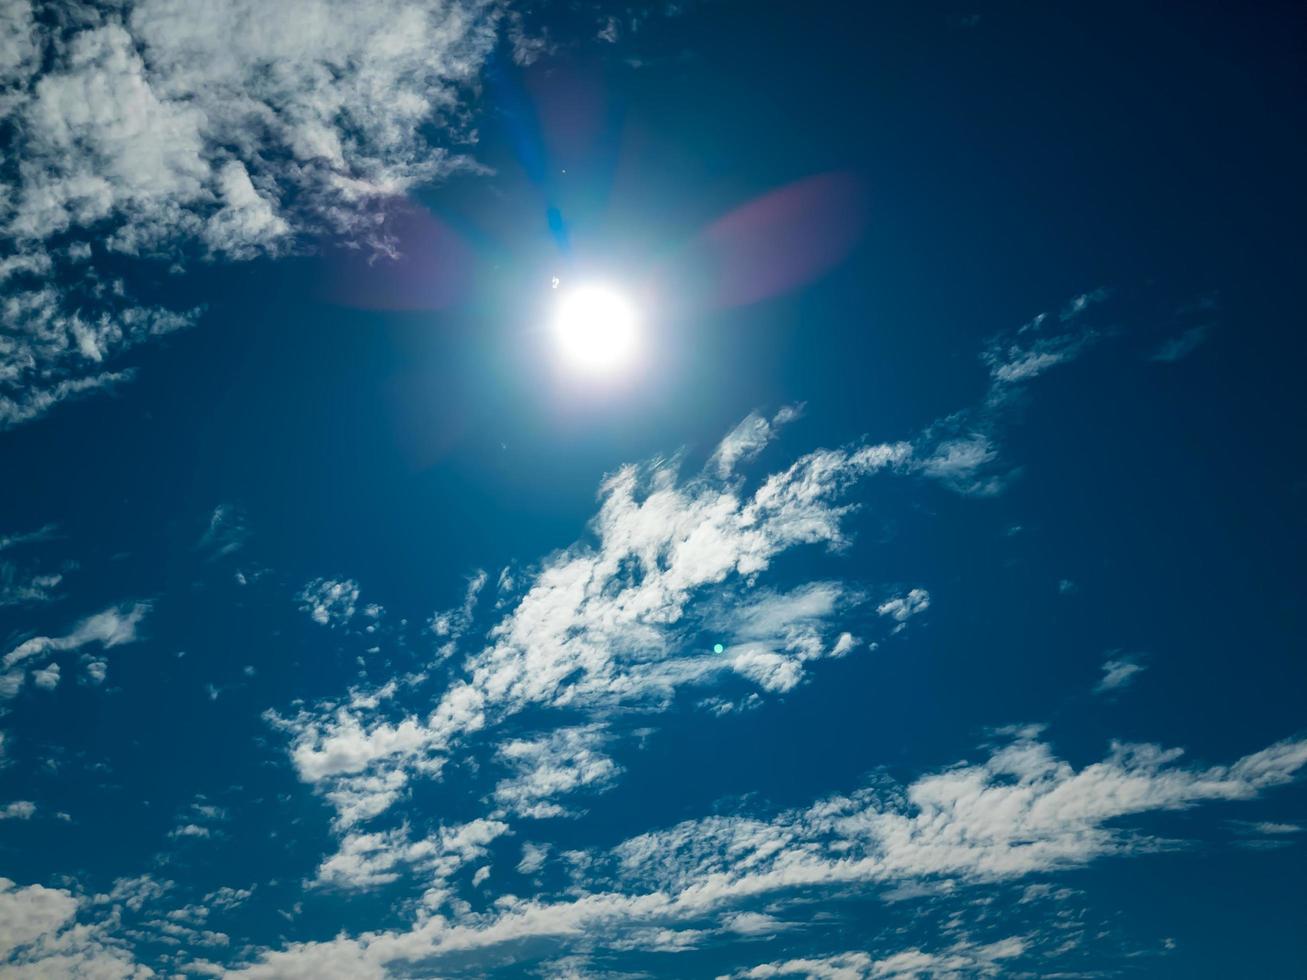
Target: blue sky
{"points": [[922, 597]]}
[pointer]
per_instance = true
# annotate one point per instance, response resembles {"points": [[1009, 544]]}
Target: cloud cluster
{"points": [[41, 937], [329, 602], [1020, 812], [611, 624], [167, 129], [113, 627]]}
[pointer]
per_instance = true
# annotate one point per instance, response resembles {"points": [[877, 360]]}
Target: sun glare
{"points": [[596, 329]]}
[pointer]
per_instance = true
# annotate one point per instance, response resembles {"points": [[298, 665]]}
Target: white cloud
{"points": [[1118, 672], [46, 678], [902, 608], [1268, 827], [451, 624], [18, 810], [533, 858], [365, 860], [958, 461], [963, 959], [1020, 812], [134, 893], [112, 627], [1035, 348], [329, 602], [747, 439], [189, 830], [561, 763], [604, 624], [17, 588], [40, 937], [167, 128], [28, 913]]}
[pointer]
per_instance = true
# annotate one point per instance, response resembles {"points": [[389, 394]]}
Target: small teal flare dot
{"points": [[717, 648]]}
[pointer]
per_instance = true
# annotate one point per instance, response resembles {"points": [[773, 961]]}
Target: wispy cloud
{"points": [[562, 763], [1175, 348], [961, 959], [1020, 812], [747, 439], [1118, 672], [112, 627], [605, 624], [45, 533]]}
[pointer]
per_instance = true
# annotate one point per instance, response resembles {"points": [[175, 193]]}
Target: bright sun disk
{"points": [[596, 328]]}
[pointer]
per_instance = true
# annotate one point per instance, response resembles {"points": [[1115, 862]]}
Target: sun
{"points": [[596, 328]]}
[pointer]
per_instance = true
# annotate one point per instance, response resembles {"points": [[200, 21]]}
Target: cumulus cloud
{"points": [[47, 678], [41, 937]]}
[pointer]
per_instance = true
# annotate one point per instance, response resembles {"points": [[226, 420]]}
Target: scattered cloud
{"points": [[329, 602], [40, 936], [112, 627], [605, 624], [365, 860], [1118, 672], [1020, 812], [18, 588], [902, 608]]}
